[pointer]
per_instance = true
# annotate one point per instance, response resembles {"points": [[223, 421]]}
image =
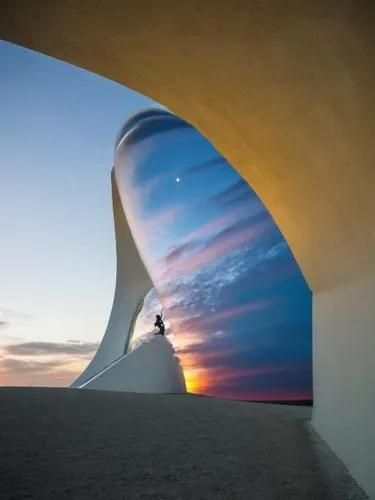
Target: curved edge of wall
{"points": [[152, 368], [132, 284]]}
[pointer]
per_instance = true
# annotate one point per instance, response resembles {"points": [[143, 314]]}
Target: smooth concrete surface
{"points": [[66, 444], [132, 284], [344, 375], [285, 91], [152, 368]]}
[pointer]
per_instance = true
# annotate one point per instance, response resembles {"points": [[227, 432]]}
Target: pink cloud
{"points": [[177, 252], [190, 331], [213, 226], [146, 230], [147, 188], [218, 249], [41, 371], [215, 380], [234, 312], [161, 218]]}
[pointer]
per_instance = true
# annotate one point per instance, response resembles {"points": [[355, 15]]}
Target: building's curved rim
{"points": [[138, 118], [136, 313]]}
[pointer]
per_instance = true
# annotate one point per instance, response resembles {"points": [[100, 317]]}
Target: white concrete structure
{"points": [[285, 91], [153, 366], [150, 368]]}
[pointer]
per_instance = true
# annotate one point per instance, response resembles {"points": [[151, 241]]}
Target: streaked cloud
{"points": [[217, 317], [44, 363], [229, 284], [206, 165], [73, 348], [213, 226], [277, 383], [238, 188], [27, 367], [178, 251], [161, 218], [231, 238], [30, 372], [147, 188], [11, 316]]}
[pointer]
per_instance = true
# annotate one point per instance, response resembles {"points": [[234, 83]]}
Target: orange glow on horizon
{"points": [[195, 379]]}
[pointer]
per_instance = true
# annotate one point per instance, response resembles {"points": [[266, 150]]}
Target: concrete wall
{"points": [[285, 91], [344, 375], [151, 368]]}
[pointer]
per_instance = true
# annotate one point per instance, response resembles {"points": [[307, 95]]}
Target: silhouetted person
{"points": [[160, 324]]}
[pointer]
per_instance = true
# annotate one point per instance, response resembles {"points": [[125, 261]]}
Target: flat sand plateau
{"points": [[74, 444]]}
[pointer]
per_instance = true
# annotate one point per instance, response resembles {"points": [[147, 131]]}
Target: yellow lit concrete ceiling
{"points": [[283, 89]]}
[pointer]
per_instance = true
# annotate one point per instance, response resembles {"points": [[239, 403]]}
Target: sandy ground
{"points": [[72, 444]]}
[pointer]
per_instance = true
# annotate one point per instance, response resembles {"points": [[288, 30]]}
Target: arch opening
{"points": [[288, 98], [239, 307], [144, 319]]}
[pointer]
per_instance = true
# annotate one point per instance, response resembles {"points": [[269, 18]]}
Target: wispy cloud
{"points": [[206, 165], [163, 217], [217, 317], [11, 316], [195, 240], [28, 372], [273, 383], [238, 188], [178, 251], [231, 238], [215, 225], [220, 372], [149, 231], [13, 366], [51, 348], [44, 363], [144, 190]]}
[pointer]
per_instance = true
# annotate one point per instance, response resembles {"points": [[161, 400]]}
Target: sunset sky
{"points": [[239, 308], [57, 253]]}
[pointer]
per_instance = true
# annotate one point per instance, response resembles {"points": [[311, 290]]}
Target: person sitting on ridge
{"points": [[160, 324]]}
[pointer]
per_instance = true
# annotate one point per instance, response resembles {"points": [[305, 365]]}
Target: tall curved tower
{"points": [[153, 367]]}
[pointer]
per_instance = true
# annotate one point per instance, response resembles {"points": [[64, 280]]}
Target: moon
{"points": [[177, 179]]}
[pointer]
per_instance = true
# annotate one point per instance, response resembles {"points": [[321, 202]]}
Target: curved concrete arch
{"points": [[152, 367], [132, 284], [284, 90]]}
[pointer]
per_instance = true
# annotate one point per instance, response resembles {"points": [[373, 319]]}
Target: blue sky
{"points": [[57, 255], [238, 306], [57, 258]]}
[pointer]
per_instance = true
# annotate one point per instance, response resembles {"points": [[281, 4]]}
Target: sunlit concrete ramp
{"points": [[152, 367]]}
